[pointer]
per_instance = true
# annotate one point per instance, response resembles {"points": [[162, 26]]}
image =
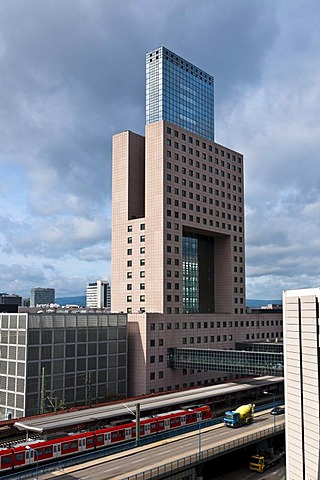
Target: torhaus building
{"points": [[178, 237]]}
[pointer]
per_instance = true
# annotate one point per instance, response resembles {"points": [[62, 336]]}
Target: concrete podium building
{"points": [[178, 239], [81, 358]]}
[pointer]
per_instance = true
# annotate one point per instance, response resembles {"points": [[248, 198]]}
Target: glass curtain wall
{"points": [[190, 275]]}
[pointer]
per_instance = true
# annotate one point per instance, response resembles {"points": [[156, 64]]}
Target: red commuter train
{"points": [[41, 451]]}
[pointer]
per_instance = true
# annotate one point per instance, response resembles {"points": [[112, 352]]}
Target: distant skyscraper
{"points": [[179, 93], [12, 299], [302, 382], [98, 294], [42, 296]]}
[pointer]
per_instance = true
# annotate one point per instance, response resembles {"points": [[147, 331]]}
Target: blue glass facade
{"points": [[190, 275], [179, 92]]}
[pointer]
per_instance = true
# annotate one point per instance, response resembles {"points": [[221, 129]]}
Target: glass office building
{"points": [[179, 92]]}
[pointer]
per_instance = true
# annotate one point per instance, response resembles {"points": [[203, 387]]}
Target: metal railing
{"points": [[171, 468]]}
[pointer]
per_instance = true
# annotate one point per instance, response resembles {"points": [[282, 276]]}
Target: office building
{"points": [[41, 296], [13, 299], [98, 294], [70, 358], [177, 204], [302, 388], [10, 303], [178, 239]]}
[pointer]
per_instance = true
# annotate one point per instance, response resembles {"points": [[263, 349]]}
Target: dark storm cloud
{"points": [[73, 74]]}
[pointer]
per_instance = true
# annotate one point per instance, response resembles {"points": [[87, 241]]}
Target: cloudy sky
{"points": [[73, 74]]}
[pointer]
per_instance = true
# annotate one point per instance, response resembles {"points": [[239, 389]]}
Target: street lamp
{"points": [[274, 410], [199, 435], [137, 417], [37, 459]]}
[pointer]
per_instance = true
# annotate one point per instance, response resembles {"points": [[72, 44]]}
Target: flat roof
{"points": [[62, 420]]}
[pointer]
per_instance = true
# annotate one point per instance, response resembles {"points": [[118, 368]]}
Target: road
{"points": [[275, 473], [117, 467]]}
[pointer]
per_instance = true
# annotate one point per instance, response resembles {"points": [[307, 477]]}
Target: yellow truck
{"points": [[260, 462]]}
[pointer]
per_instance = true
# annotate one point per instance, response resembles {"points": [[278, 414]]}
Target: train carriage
{"points": [[6, 459], [32, 453], [81, 442]]}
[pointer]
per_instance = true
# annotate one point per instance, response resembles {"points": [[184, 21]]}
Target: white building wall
{"points": [[98, 294], [301, 350], [13, 359]]}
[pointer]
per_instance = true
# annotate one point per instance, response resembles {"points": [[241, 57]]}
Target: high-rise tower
{"points": [[178, 220], [178, 240]]}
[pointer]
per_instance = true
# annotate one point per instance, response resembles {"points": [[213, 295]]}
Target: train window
{"points": [[5, 460], [27, 455], [48, 450], [153, 427], [117, 435], [73, 445], [65, 446], [19, 457], [141, 429], [161, 424], [133, 430], [90, 441]]}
